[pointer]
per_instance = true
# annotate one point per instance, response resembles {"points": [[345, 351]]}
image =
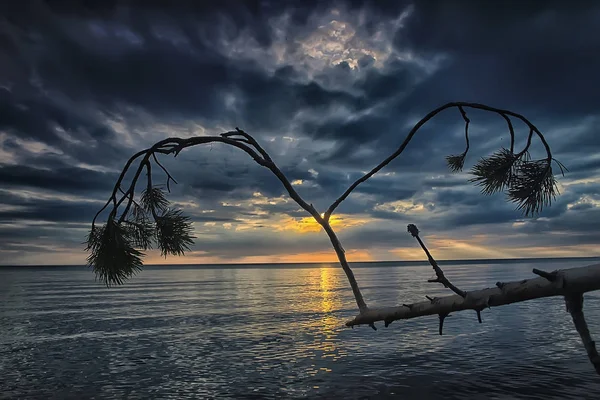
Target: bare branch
{"points": [[248, 139], [441, 278], [574, 303], [457, 162], [169, 176], [423, 121], [117, 187], [511, 130], [570, 283]]}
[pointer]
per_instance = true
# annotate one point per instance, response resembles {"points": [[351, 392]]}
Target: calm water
{"points": [[279, 333]]}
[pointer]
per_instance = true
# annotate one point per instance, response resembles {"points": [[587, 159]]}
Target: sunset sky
{"points": [[329, 89]]}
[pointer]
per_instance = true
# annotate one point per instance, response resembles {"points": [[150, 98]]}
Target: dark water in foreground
{"points": [[279, 333]]}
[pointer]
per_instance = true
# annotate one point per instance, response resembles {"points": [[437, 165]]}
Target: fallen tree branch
{"points": [[572, 280], [575, 307], [570, 283]]}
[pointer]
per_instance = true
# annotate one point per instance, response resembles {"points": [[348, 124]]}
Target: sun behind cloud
{"points": [[309, 225]]}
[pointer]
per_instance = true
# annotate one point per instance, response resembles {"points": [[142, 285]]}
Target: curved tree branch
{"points": [[460, 105], [238, 139]]}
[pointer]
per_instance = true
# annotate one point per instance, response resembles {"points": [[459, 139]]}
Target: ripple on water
{"points": [[265, 333]]}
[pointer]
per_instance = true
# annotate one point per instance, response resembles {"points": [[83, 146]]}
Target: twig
{"points": [[467, 122], [169, 176], [511, 130], [441, 278]]}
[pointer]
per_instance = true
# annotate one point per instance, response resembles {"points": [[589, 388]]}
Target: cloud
{"points": [[329, 89]]}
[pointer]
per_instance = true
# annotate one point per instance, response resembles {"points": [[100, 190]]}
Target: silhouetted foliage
{"points": [[533, 186], [113, 254], [174, 233], [154, 201], [456, 162]]}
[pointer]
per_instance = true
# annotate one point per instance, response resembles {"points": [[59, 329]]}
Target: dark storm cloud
{"points": [[66, 179], [57, 212], [95, 81], [531, 56]]}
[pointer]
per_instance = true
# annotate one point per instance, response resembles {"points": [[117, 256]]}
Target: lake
{"points": [[265, 332]]}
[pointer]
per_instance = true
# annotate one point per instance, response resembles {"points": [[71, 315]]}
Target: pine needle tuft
{"points": [[173, 233], [456, 162], [154, 201], [495, 172], [113, 257], [533, 187]]}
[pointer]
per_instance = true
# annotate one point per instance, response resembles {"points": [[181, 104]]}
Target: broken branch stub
{"points": [[441, 278]]}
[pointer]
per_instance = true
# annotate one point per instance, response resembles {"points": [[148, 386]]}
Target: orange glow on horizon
{"points": [[309, 225]]}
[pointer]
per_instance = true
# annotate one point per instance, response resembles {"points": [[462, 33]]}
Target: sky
{"points": [[329, 89]]}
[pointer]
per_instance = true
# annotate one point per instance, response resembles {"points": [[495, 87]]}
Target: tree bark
{"points": [[565, 282], [575, 307]]}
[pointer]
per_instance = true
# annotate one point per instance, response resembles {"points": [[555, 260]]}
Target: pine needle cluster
{"points": [[117, 247], [528, 183]]}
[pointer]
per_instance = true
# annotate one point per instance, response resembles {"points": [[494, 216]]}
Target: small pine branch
{"points": [[173, 233], [533, 186], [153, 200], [138, 214], [494, 173], [113, 257], [141, 233], [456, 162]]}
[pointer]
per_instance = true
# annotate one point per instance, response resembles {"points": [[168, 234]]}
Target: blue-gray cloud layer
{"points": [[329, 89]]}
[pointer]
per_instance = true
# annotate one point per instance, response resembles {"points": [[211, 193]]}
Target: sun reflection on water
{"points": [[327, 324]]}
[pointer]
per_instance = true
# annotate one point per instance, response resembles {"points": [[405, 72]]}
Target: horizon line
{"points": [[469, 260]]}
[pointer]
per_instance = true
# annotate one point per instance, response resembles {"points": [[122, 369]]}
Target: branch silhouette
{"points": [[117, 247]]}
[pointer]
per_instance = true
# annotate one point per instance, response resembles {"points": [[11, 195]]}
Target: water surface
{"points": [[279, 333]]}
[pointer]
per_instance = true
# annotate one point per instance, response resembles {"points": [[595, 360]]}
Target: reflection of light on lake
{"points": [[328, 281], [326, 327]]}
